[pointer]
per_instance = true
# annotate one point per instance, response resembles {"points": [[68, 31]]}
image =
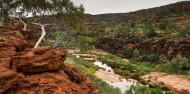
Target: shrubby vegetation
{"points": [[132, 69], [177, 64], [113, 61], [85, 43], [142, 63], [68, 40], [140, 89]]}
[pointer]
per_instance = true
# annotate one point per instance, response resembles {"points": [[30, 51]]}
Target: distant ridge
{"points": [[176, 12]]}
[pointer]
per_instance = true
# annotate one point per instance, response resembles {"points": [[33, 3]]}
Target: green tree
{"points": [[20, 9], [140, 89], [39, 9], [162, 26]]}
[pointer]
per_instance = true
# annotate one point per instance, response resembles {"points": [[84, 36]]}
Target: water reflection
{"points": [[123, 84], [105, 66]]}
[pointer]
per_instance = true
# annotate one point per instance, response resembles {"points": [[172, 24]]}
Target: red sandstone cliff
{"points": [[28, 70]]}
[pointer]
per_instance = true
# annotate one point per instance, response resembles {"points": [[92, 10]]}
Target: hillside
{"points": [[177, 12], [155, 39], [161, 30]]}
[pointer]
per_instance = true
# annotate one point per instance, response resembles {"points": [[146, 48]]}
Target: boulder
{"points": [[46, 83], [8, 79], [55, 82], [40, 59], [9, 48]]}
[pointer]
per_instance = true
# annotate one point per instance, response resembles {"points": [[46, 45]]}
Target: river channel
{"points": [[108, 75]]}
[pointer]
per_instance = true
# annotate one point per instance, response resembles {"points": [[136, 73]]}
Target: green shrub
{"points": [[177, 64], [104, 87], [184, 32], [151, 33], [163, 59], [149, 30], [162, 26], [113, 61], [170, 92], [65, 40], [167, 24], [171, 25], [105, 46], [124, 73], [161, 40], [136, 54], [139, 67], [153, 57], [85, 43], [127, 52], [140, 89]]}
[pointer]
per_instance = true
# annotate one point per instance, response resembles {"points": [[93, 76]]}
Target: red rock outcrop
{"points": [[46, 83], [27, 70], [8, 79], [49, 74], [38, 60], [10, 45]]}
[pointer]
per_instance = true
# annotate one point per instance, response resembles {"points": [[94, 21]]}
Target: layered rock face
{"points": [[38, 60], [8, 79], [10, 44], [25, 70], [167, 47]]}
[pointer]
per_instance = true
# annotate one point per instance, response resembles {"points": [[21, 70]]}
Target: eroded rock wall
{"points": [[27, 70]]}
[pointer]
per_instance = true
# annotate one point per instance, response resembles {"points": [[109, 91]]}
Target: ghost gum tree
{"points": [[57, 9], [19, 9], [41, 10]]}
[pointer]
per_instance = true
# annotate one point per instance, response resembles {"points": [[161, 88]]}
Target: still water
{"points": [[123, 84]]}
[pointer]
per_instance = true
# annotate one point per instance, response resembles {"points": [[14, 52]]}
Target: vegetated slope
{"points": [[177, 12], [161, 30], [24, 69]]}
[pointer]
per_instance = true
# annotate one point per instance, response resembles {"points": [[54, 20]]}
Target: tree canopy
{"points": [[24, 8], [39, 10]]}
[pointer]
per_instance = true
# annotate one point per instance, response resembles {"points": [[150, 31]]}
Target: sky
{"points": [[119, 6]]}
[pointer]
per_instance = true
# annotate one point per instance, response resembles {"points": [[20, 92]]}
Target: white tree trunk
{"points": [[25, 25], [1, 23], [42, 36], [2, 18]]}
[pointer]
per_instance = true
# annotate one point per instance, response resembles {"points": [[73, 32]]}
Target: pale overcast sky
{"points": [[115, 6]]}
